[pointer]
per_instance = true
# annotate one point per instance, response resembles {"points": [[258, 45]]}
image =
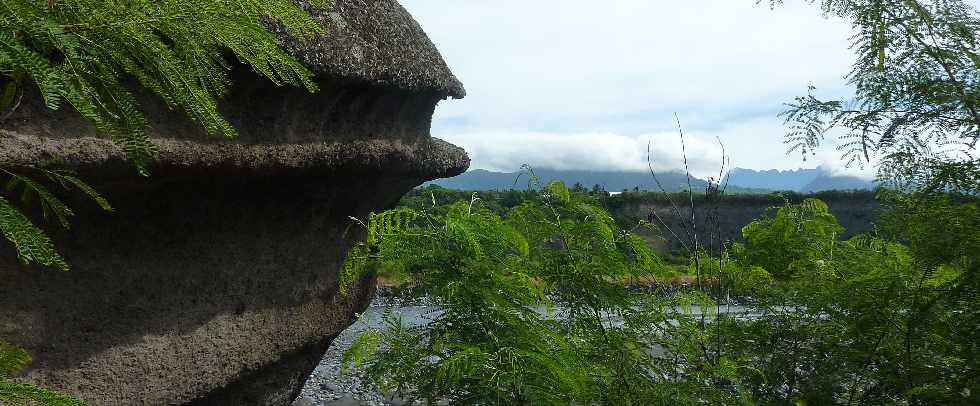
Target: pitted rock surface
{"points": [[215, 280]]}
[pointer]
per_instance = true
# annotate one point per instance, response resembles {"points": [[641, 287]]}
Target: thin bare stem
{"points": [[673, 206], [690, 192], [664, 223]]}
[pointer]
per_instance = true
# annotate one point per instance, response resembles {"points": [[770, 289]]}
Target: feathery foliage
{"points": [[890, 319], [93, 54], [917, 90], [14, 393], [534, 309], [866, 320], [790, 235], [31, 244]]}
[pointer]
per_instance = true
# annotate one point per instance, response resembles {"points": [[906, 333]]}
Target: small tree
{"points": [[916, 107], [535, 310], [916, 104]]}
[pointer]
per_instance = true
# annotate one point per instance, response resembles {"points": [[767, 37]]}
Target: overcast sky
{"points": [[575, 84]]}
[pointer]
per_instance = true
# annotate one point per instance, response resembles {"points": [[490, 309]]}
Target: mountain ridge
{"points": [[739, 180], [798, 180], [613, 181]]}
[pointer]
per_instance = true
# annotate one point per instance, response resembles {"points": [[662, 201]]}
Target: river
{"points": [[327, 387]]}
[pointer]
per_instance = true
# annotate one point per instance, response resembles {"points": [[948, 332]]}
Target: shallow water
{"points": [[326, 386]]}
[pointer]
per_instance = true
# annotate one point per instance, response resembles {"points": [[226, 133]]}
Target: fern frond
{"points": [[85, 52], [389, 222], [39, 68], [16, 394], [50, 205], [364, 347], [30, 243], [12, 359], [461, 363], [67, 179], [354, 266]]}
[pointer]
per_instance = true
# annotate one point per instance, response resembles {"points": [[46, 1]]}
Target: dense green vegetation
{"points": [[557, 250], [623, 206], [96, 57], [500, 200], [888, 317]]}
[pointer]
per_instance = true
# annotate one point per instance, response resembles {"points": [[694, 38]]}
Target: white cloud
{"points": [[752, 144], [830, 161], [592, 151], [623, 65], [580, 83]]}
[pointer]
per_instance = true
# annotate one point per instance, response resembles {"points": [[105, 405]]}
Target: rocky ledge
{"points": [[215, 280]]}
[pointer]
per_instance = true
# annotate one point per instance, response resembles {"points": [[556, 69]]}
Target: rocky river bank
{"points": [[328, 387]]}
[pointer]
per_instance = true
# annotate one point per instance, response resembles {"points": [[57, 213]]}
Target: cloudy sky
{"points": [[586, 85]]}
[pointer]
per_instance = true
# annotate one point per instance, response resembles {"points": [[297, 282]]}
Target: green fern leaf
{"points": [[67, 178], [30, 243], [12, 359], [50, 205], [361, 350]]}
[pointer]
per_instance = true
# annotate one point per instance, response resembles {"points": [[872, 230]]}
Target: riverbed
{"points": [[328, 387]]}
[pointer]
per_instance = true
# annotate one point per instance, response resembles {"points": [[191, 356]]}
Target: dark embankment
{"points": [[725, 216]]}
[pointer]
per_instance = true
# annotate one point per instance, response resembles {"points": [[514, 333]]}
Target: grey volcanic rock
{"points": [[376, 40], [215, 281]]}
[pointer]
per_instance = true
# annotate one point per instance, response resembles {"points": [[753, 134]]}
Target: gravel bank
{"points": [[327, 387]]}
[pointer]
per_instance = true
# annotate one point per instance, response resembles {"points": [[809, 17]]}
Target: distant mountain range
{"points": [[740, 180], [479, 179], [799, 180], [772, 179]]}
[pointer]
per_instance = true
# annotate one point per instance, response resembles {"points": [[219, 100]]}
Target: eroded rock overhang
{"points": [[215, 281]]}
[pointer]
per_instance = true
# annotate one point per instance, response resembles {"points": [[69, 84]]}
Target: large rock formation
{"points": [[215, 281]]}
